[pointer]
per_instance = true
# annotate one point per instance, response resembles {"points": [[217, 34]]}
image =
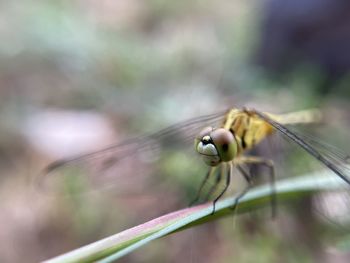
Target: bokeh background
{"points": [[78, 75]]}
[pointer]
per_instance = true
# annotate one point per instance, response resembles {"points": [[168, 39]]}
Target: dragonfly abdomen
{"points": [[249, 129]]}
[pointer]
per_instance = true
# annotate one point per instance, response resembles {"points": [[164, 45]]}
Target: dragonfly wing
{"points": [[331, 157], [123, 166]]}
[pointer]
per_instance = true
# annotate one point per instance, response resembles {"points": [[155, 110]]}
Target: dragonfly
{"points": [[223, 141]]}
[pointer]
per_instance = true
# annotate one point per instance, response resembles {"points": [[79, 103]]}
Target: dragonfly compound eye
{"points": [[205, 147], [225, 144], [204, 132], [216, 146]]}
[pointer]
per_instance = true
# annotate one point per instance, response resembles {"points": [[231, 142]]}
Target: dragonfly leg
{"points": [[249, 180], [260, 161], [228, 180], [204, 181], [216, 183]]}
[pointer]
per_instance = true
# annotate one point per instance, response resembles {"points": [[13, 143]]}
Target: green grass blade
{"points": [[116, 246]]}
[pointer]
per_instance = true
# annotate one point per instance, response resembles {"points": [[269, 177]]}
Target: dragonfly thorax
{"points": [[216, 145]]}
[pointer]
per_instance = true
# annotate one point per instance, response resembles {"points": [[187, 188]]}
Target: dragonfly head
{"points": [[216, 145]]}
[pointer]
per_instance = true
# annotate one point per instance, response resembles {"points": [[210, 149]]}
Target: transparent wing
{"points": [[330, 156], [124, 166]]}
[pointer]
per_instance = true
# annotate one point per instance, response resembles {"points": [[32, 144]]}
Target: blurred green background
{"points": [[78, 75]]}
